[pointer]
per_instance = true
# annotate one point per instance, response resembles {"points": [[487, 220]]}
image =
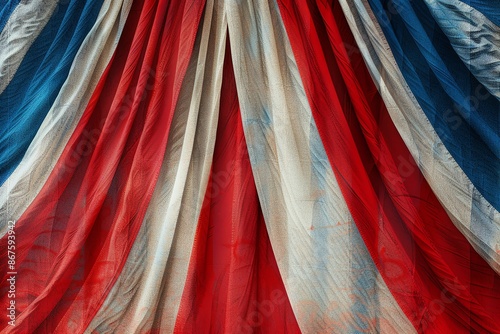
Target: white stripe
{"points": [[474, 38], [148, 292], [471, 213], [22, 186], [21, 30], [330, 278]]}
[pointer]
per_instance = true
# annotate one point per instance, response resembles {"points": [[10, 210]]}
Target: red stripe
{"points": [[233, 285], [73, 240], [421, 255]]}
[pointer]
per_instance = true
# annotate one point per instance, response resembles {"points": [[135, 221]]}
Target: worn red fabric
{"points": [[74, 238], [233, 283], [440, 288]]}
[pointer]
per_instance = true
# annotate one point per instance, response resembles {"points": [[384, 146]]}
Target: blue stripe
{"points": [[6, 10], [465, 116], [29, 96], [474, 38], [489, 8]]}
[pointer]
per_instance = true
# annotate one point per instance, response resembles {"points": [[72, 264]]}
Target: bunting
{"points": [[220, 166]]}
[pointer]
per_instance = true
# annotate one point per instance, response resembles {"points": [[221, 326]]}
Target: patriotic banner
{"points": [[267, 166]]}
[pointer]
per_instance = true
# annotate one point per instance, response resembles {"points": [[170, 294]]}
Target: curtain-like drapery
{"points": [[268, 166]]}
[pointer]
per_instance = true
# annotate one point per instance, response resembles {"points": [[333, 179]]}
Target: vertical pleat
{"points": [[147, 294], [80, 228], [233, 283], [331, 281]]}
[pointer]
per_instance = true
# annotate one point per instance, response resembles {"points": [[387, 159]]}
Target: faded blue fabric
{"points": [[31, 93], [474, 38], [465, 116]]}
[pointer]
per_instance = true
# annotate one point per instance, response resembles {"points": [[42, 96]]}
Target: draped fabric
{"points": [[39, 77], [268, 166]]}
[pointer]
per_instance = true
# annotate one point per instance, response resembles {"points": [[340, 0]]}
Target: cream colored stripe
{"points": [[474, 38], [330, 278], [471, 213], [21, 30], [22, 186], [148, 292]]}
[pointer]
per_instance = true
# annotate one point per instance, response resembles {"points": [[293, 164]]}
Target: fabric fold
{"points": [[26, 100], [478, 286], [25, 182], [490, 9], [466, 117], [147, 295], [233, 283], [187, 166], [331, 281], [79, 230], [474, 38], [473, 215], [21, 30], [6, 9]]}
